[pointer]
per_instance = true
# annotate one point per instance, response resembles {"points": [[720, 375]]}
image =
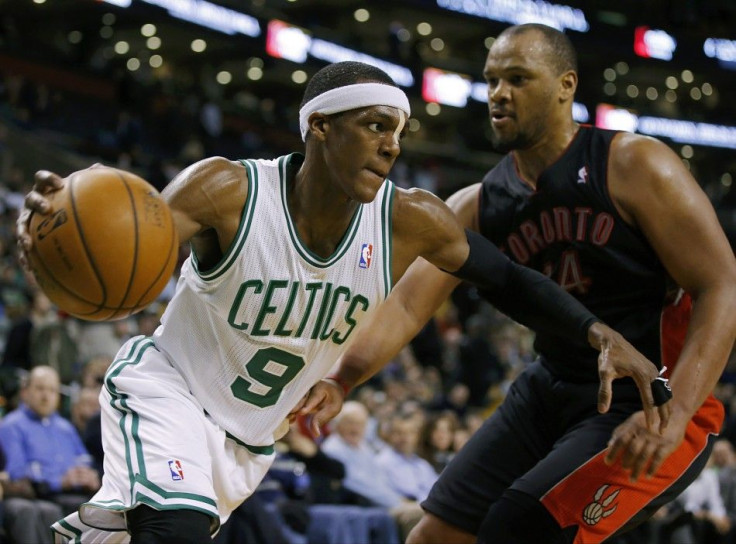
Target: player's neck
{"points": [[320, 214], [531, 162]]}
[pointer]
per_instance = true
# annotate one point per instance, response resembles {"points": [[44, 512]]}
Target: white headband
{"points": [[350, 97]]}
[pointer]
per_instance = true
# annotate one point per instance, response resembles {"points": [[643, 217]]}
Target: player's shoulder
{"points": [[213, 173], [420, 207], [217, 165], [415, 206], [630, 150]]}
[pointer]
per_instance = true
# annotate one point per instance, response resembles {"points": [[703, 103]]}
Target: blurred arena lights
{"points": [[522, 11], [205, 14]]}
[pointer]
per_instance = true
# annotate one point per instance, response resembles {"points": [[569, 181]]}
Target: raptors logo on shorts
{"points": [[599, 509]]}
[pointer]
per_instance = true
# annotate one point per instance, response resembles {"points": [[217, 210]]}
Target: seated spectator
{"points": [[325, 473], [25, 519], [479, 366], [703, 499], [52, 339], [92, 440], [408, 474], [253, 523], [436, 441], [84, 406], [363, 475], [93, 371], [724, 461], [698, 515], [45, 449]]}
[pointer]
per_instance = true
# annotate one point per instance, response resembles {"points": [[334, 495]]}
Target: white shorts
{"points": [[161, 450]]}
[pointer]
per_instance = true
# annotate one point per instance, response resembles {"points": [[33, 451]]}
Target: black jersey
{"points": [[569, 229]]}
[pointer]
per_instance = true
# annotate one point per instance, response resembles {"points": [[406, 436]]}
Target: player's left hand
{"points": [[618, 359], [641, 449], [324, 402]]}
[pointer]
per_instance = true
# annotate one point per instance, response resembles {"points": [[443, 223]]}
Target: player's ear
{"points": [[568, 85], [319, 125]]}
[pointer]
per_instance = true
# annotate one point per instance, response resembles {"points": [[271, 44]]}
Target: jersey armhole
{"points": [[387, 209], [246, 218]]}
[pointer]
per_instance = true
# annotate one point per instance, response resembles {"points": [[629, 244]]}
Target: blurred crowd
{"points": [[397, 432]]}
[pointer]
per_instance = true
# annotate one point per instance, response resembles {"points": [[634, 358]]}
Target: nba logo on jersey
{"points": [[583, 175], [177, 473], [366, 252]]}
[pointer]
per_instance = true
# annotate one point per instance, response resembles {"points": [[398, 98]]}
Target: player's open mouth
{"points": [[499, 119]]}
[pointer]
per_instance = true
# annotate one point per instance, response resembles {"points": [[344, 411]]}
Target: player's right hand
{"points": [[618, 359], [45, 182], [324, 401]]}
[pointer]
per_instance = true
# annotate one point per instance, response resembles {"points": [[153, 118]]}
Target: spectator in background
{"points": [[408, 474], [698, 515], [84, 407], [724, 461], [44, 448], [363, 475], [93, 371], [436, 441], [703, 499], [17, 351], [479, 367], [325, 473], [25, 519], [52, 341], [147, 321], [97, 338]]}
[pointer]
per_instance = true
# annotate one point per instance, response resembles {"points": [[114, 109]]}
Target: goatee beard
{"points": [[504, 146]]}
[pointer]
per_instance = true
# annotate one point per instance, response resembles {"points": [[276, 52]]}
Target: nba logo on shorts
{"points": [[366, 252], [177, 473]]}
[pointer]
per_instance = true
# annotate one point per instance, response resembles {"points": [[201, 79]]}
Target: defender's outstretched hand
{"points": [[618, 359]]}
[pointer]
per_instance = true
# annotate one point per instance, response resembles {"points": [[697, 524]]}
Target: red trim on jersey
{"points": [[600, 499]]}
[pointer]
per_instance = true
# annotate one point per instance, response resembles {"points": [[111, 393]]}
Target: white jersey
{"points": [[252, 334]]}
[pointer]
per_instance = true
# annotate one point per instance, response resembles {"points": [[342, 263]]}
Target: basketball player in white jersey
{"points": [[288, 258]]}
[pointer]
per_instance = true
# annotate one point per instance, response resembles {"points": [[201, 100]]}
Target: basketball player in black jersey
{"points": [[619, 222]]}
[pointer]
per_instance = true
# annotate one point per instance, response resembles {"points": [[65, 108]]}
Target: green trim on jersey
{"points": [[387, 215], [246, 219], [258, 450], [71, 532], [119, 403], [166, 500], [306, 254], [163, 499]]}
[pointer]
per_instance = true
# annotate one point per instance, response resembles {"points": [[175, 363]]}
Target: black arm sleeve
{"points": [[524, 294]]}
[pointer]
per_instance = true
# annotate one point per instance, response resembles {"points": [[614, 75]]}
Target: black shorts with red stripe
{"points": [[547, 440]]}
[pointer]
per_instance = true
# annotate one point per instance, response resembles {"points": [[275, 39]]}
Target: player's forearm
{"points": [[413, 301], [524, 294], [386, 333], [707, 347]]}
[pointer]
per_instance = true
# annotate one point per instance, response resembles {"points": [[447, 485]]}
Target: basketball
{"points": [[107, 249]]}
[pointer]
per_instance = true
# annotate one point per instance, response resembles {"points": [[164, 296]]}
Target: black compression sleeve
{"points": [[525, 295]]}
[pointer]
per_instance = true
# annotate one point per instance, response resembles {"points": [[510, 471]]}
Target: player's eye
{"points": [[375, 127]]}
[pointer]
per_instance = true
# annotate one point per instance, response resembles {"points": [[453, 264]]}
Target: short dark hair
{"points": [[561, 52], [341, 74]]}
